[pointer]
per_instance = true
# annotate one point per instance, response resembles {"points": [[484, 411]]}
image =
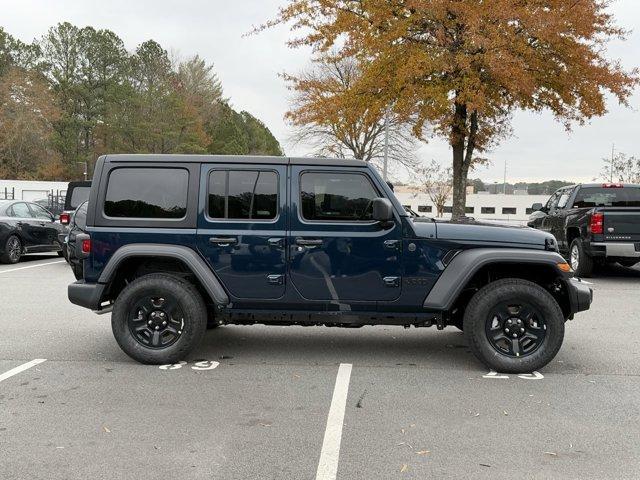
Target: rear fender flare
{"points": [[186, 255]]}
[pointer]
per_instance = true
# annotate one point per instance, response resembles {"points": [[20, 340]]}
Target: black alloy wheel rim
{"points": [[515, 328], [13, 249], [156, 321]]}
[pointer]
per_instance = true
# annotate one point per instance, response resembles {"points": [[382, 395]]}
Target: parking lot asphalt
{"points": [[255, 402]]}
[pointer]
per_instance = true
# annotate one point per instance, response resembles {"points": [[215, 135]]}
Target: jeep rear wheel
{"points": [[158, 319], [514, 326]]}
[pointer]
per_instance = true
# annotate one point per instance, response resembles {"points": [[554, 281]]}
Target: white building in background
{"points": [[31, 190], [481, 206]]}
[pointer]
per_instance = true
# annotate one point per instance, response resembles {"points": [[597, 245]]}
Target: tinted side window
{"points": [[147, 193], [243, 195], [336, 196]]}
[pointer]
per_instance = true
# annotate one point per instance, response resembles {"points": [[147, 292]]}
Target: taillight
{"points": [[596, 223], [86, 245], [612, 185], [65, 218]]}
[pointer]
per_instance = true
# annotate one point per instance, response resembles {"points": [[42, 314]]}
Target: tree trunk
{"points": [[463, 144], [459, 171], [459, 182]]}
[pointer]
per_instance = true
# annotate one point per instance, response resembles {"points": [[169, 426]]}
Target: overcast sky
{"points": [[248, 66]]}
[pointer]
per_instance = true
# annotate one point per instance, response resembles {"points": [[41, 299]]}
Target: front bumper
{"points": [[580, 295], [87, 295]]}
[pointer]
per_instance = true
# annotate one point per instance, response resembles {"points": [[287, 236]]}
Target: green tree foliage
{"points": [[90, 96], [234, 133]]}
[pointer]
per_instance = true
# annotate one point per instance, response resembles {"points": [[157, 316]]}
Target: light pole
{"points": [[86, 168], [385, 163]]}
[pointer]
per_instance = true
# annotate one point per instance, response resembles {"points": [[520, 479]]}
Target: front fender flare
{"points": [[185, 254], [467, 263]]}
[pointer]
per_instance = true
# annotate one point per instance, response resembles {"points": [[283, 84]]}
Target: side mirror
{"points": [[536, 207], [382, 210]]}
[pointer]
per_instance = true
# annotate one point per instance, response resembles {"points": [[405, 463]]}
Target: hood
{"points": [[471, 231]]}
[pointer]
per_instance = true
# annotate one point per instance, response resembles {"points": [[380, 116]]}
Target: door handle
{"points": [[276, 242], [223, 241], [391, 281], [391, 244], [308, 242]]}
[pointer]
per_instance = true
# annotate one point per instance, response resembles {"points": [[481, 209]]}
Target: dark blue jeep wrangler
{"points": [[176, 243]]}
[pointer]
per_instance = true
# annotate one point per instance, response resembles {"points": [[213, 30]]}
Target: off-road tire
{"points": [[6, 256], [190, 302], [585, 263], [479, 310]]}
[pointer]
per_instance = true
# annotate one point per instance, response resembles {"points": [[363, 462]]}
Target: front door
{"points": [[242, 228], [26, 224], [337, 252], [45, 226]]}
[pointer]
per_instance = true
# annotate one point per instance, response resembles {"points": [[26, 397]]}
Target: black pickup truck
{"points": [[593, 224]]}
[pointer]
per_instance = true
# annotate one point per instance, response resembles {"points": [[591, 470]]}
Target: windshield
{"points": [[80, 216], [607, 197]]}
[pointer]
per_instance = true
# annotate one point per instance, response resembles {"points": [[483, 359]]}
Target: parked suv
{"points": [[593, 223], [174, 241]]}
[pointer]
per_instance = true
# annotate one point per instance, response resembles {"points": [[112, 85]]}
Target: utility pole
{"points": [[504, 188], [385, 164]]}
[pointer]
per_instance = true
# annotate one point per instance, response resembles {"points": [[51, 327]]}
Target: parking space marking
{"points": [[21, 368], [328, 465], [30, 266]]}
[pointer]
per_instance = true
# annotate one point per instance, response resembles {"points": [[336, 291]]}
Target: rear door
{"points": [[242, 227]]}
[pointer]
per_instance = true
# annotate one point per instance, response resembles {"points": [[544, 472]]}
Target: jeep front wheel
{"points": [[514, 326], [158, 319]]}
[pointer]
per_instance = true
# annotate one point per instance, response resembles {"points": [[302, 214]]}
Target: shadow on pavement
{"points": [[34, 257], [617, 271], [384, 346]]}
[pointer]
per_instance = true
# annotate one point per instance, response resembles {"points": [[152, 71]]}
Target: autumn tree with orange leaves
{"points": [[335, 124], [462, 67]]}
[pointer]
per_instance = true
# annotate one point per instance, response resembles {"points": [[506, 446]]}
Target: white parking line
{"points": [[328, 465], [21, 368], [31, 266]]}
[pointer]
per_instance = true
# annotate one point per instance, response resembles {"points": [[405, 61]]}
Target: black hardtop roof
{"points": [[245, 159]]}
